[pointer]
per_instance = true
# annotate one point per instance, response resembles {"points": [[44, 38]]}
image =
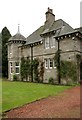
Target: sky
{"points": [[30, 14]]}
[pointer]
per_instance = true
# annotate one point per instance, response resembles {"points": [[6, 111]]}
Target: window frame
{"points": [[52, 41], [46, 63], [17, 67], [47, 43], [54, 64], [50, 63]]}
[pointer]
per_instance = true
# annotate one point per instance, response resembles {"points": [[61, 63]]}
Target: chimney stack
{"points": [[50, 17]]}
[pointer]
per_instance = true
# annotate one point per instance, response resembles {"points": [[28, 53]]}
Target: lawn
{"points": [[16, 94]]}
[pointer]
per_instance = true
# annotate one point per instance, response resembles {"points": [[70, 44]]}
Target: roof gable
{"points": [[59, 26]]}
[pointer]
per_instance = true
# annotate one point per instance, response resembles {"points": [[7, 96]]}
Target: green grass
{"points": [[16, 94]]}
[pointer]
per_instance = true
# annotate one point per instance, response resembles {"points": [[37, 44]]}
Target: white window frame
{"points": [[54, 64], [18, 66], [49, 63], [46, 63], [47, 43], [15, 70], [52, 41]]}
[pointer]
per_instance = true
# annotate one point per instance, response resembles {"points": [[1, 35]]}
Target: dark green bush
{"points": [[51, 80], [14, 78]]}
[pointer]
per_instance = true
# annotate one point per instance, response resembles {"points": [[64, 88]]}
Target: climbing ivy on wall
{"points": [[41, 72], [68, 69], [25, 68], [35, 64]]}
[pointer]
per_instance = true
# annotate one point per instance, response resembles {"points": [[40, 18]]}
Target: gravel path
{"points": [[65, 105]]}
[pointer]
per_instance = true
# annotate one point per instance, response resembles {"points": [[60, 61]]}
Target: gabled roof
{"points": [[59, 26], [17, 36], [79, 29]]}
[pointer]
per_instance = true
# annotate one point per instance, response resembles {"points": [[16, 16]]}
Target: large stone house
{"points": [[43, 44]]}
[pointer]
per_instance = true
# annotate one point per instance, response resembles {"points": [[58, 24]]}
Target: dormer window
{"points": [[47, 43], [52, 42]]}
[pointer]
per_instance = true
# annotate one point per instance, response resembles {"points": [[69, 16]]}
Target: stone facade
{"points": [[44, 42]]}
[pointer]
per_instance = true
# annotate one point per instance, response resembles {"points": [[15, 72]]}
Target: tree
{"points": [[5, 36]]}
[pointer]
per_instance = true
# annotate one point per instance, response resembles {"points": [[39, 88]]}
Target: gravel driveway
{"points": [[65, 105]]}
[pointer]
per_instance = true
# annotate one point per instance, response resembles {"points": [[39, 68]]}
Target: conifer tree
{"points": [[5, 36]]}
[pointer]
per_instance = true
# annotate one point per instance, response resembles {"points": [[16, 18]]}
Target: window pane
{"points": [[51, 63], [17, 63], [52, 42], [47, 42], [17, 70], [46, 63]]}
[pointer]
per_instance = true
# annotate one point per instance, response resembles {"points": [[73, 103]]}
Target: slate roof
{"points": [[17, 36], [79, 29], [59, 26], [35, 36]]}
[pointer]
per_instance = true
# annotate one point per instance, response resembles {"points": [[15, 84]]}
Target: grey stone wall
{"points": [[13, 56], [69, 49]]}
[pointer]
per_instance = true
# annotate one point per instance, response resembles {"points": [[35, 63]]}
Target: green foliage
{"points": [[35, 64], [14, 77], [41, 71], [68, 70], [22, 68], [28, 67], [25, 68], [78, 57], [5, 36], [51, 80], [56, 59]]}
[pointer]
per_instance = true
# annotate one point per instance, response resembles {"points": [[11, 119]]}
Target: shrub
{"points": [[51, 80], [14, 77]]}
